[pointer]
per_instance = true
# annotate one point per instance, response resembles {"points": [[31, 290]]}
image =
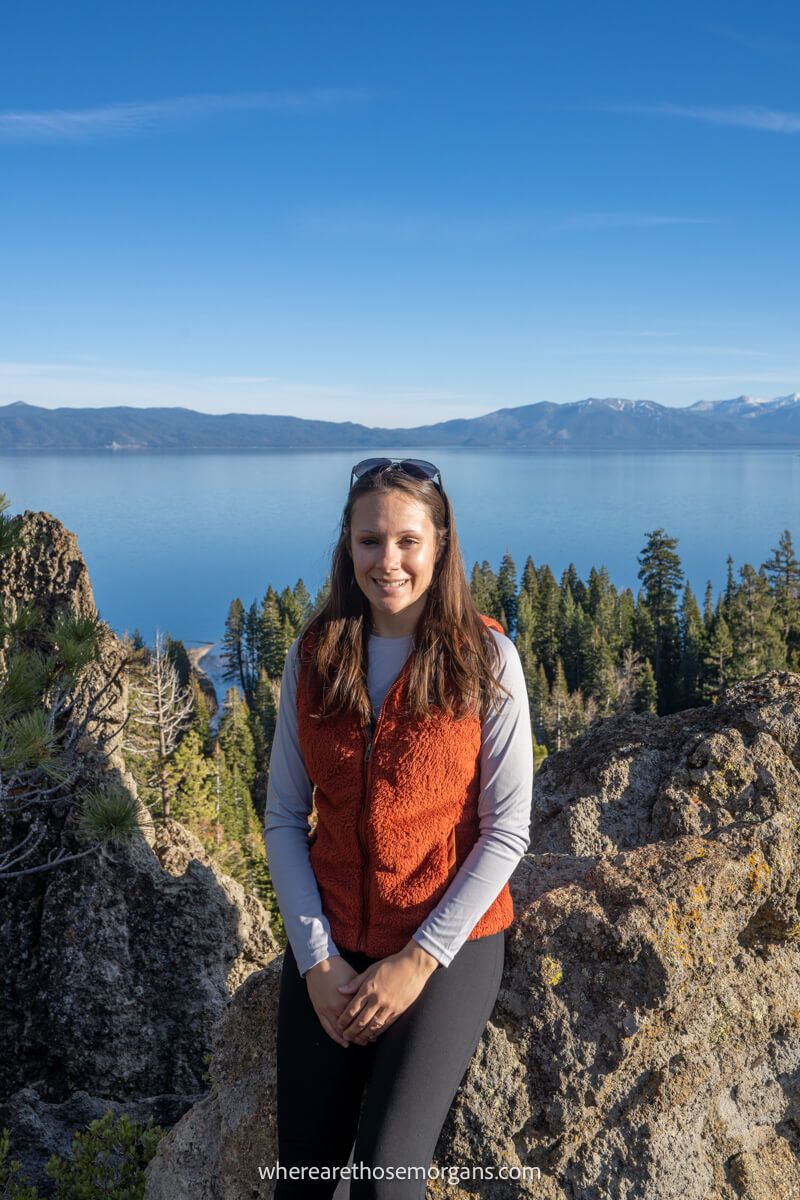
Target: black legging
{"points": [[406, 1078]]}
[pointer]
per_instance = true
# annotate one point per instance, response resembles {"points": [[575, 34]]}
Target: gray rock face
{"points": [[646, 1039], [115, 966]]}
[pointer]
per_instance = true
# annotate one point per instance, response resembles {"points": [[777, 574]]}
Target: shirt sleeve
{"points": [[289, 801], [504, 811]]}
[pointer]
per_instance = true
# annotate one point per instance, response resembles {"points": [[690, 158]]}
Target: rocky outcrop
{"points": [[117, 965], [646, 1039]]}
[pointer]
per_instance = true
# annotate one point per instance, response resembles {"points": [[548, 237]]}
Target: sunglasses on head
{"points": [[418, 468]]}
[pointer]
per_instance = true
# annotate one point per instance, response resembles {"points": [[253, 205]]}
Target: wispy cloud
{"points": [[136, 117], [632, 333], [742, 116], [629, 220], [84, 382], [760, 42], [419, 226], [671, 351], [739, 381]]}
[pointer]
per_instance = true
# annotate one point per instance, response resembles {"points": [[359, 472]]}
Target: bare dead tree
{"points": [[160, 711], [627, 679]]}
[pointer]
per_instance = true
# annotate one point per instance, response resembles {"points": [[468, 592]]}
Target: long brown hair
{"points": [[454, 655]]}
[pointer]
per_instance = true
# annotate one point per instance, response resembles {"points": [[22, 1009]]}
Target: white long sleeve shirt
{"points": [[504, 810]]}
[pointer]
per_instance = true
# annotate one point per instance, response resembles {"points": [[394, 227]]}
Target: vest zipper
{"points": [[362, 941], [370, 737]]}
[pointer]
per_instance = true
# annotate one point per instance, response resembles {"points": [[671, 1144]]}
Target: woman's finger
{"points": [[370, 1030], [356, 1006], [332, 1031], [363, 1016]]}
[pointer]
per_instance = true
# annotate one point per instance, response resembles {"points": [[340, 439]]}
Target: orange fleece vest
{"points": [[396, 816]]}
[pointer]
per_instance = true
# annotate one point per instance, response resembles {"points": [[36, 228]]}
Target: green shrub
{"points": [[12, 1188], [108, 1161]]}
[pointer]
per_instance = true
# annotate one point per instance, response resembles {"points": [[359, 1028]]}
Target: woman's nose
{"points": [[388, 558]]}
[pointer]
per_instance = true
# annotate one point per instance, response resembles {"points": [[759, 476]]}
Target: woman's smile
{"points": [[389, 585]]}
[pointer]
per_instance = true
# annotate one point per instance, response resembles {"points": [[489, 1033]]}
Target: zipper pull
{"points": [[368, 750]]}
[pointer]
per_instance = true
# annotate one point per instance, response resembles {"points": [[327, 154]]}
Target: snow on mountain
{"points": [[744, 406]]}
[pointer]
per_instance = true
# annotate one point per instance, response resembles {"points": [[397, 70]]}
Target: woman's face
{"points": [[392, 538]]}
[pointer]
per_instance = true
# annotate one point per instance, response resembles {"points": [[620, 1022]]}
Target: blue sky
{"points": [[397, 213]]}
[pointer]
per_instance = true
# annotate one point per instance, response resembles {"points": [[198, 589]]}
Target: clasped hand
{"points": [[348, 1003]]}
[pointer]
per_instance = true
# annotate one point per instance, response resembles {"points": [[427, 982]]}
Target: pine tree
{"points": [[262, 723], [756, 634], [558, 715], [646, 697], [235, 736], [708, 607], [692, 644], [661, 573], [176, 654], [539, 700], [599, 672], [730, 586], [252, 636], [530, 580], [546, 624], [201, 714], [190, 775], [569, 635], [601, 605], [526, 619], [271, 635], [783, 571], [322, 593], [717, 659], [573, 581], [643, 639], [303, 603], [507, 588], [235, 806], [233, 647], [624, 621], [242, 851], [486, 592]]}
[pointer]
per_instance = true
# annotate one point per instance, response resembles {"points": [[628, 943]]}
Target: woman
{"points": [[404, 716]]}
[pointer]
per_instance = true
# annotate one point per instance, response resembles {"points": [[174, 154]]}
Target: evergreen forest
{"points": [[589, 651]]}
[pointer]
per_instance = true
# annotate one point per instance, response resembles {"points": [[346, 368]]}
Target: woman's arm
{"points": [[504, 810], [286, 833]]}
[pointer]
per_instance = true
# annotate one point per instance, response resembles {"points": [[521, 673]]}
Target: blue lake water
{"points": [[171, 539]]}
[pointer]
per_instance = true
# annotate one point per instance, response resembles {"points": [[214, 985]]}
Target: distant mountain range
{"points": [[592, 424]]}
